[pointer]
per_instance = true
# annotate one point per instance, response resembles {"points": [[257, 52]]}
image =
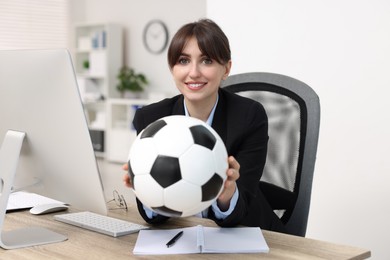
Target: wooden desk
{"points": [[84, 244]]}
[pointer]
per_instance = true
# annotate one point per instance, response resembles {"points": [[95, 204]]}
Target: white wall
{"points": [[342, 50], [133, 15]]}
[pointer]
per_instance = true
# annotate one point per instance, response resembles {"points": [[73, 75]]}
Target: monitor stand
{"points": [[25, 237]]}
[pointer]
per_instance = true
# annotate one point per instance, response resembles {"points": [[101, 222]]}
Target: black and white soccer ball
{"points": [[178, 166]]}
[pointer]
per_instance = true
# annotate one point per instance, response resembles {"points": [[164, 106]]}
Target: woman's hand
{"points": [[233, 173], [126, 178]]}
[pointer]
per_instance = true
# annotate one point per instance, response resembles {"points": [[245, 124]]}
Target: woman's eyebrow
{"points": [[184, 54]]}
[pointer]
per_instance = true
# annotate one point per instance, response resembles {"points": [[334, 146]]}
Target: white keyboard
{"points": [[99, 223]]}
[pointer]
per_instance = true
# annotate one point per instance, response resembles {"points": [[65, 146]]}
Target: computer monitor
{"points": [[39, 97]]}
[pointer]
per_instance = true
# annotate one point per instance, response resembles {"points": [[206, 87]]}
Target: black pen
{"points": [[174, 239]]}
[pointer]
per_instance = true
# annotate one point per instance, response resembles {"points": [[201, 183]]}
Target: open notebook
{"points": [[199, 239]]}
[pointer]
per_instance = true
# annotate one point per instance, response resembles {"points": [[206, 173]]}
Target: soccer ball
{"points": [[178, 166]]}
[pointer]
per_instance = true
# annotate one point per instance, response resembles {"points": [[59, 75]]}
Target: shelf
{"points": [[80, 51], [95, 128], [120, 132], [98, 58], [89, 76], [101, 47]]}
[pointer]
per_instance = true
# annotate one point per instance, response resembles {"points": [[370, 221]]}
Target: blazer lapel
{"points": [[178, 107], [220, 118]]}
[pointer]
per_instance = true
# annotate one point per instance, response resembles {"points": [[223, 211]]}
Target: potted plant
{"points": [[131, 82]]}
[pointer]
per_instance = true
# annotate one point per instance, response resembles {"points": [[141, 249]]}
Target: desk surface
{"points": [[85, 244]]}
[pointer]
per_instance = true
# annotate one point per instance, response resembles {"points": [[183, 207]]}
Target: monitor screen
{"points": [[39, 96]]}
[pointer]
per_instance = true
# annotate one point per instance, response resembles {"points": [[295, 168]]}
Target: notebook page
{"points": [[234, 240], [153, 242]]}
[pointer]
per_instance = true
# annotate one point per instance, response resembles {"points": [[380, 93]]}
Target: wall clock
{"points": [[155, 36]]}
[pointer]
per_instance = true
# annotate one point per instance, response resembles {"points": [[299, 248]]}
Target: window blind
{"points": [[34, 24]]}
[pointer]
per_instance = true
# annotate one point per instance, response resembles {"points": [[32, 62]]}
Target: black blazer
{"points": [[243, 126]]}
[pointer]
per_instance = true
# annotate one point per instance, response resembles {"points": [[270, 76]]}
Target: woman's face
{"points": [[196, 76]]}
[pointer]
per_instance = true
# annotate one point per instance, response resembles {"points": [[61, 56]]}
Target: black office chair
{"points": [[293, 111]]}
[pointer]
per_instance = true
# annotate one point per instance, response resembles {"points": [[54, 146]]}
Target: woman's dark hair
{"points": [[212, 41]]}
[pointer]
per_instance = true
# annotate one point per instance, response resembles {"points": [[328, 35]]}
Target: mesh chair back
{"points": [[293, 114]]}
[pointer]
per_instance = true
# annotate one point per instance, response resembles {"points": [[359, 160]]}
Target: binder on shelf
{"points": [[97, 64]]}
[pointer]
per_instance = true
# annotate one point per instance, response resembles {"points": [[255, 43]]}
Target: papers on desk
{"points": [[25, 200], [201, 239]]}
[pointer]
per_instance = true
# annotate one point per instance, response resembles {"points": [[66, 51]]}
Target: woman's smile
{"points": [[195, 85]]}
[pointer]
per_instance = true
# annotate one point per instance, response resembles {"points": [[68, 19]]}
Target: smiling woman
{"points": [[199, 59], [34, 24]]}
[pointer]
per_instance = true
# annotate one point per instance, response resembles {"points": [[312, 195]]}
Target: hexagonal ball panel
{"points": [[173, 140], [182, 196], [148, 191], [197, 165], [142, 155], [198, 208]]}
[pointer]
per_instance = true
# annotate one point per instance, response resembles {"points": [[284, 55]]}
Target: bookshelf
{"points": [[98, 57]]}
